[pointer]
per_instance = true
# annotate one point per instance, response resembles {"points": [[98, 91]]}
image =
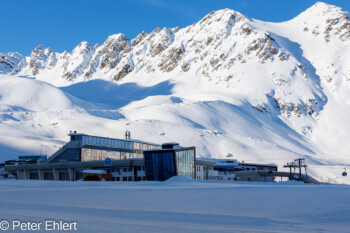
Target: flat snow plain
{"points": [[179, 205]]}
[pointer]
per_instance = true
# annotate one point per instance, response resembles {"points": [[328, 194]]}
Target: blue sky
{"points": [[62, 24]]}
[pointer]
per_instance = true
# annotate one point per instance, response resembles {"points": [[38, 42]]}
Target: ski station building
{"points": [[87, 157]]}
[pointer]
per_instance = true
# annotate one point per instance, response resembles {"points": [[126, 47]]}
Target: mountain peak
{"points": [[325, 20], [322, 6], [39, 49], [84, 44], [223, 16], [138, 38], [83, 47], [320, 10], [117, 37], [115, 43]]}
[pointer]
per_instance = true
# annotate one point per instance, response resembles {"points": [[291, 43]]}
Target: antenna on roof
{"points": [[127, 132]]}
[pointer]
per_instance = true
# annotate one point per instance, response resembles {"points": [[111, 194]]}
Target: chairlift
{"points": [[344, 172]]}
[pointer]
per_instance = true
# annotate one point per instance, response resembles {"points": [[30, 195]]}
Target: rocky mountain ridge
{"points": [[222, 48]]}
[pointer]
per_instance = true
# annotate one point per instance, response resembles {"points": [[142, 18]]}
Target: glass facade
{"points": [[99, 148], [159, 165], [91, 140], [89, 153], [163, 164], [185, 163], [69, 155]]}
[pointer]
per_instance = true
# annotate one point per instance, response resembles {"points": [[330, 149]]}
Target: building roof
{"points": [[170, 143], [259, 164], [129, 140], [171, 149], [223, 162], [234, 162], [205, 162], [76, 134]]}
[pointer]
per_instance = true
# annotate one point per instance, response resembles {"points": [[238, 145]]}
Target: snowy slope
{"points": [[265, 92], [35, 116], [322, 33]]}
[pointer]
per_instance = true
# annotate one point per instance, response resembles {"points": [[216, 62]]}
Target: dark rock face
{"points": [[124, 71], [9, 62]]}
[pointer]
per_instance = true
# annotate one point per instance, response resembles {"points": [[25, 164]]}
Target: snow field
{"points": [[180, 205]]}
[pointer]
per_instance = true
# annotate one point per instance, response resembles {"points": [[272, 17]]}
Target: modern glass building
{"points": [[84, 147], [170, 160], [84, 156]]}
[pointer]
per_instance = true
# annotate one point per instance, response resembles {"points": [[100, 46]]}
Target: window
{"points": [[185, 162], [160, 165], [125, 178], [117, 178], [98, 141], [130, 178]]}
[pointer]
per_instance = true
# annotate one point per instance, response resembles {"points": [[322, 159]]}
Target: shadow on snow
{"points": [[111, 95]]}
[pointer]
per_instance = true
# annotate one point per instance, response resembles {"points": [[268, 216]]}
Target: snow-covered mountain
{"points": [[268, 92]]}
